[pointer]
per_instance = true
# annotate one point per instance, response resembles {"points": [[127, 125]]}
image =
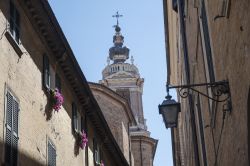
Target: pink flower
{"points": [[57, 99], [102, 164], [84, 140]]}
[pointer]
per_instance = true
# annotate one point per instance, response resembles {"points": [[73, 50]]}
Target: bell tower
{"points": [[123, 77]]}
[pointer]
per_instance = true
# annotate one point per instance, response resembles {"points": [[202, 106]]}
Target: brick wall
{"points": [[116, 117], [230, 53]]}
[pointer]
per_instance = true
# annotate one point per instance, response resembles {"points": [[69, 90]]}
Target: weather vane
{"points": [[117, 15]]}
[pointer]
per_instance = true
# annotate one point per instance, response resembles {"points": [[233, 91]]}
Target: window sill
{"points": [[14, 44]]}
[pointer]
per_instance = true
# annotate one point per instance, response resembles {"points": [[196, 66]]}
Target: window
{"points": [[97, 154], [124, 93], [77, 120], [58, 83], [82, 124], [11, 132], [14, 22], [46, 72], [74, 118], [51, 154], [174, 5], [51, 79]]}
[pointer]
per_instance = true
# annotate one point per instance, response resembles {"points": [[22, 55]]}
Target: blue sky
{"points": [[87, 26]]}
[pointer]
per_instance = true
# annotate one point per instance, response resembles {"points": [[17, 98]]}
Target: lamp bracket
{"points": [[220, 88]]}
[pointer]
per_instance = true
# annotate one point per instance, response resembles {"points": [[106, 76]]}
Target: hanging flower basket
{"points": [[83, 140], [57, 99], [101, 164]]}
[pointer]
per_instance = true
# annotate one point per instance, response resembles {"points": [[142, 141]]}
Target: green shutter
{"points": [[74, 117], [17, 26], [11, 137], [14, 22], [8, 153], [96, 151], [82, 124], [46, 74], [15, 131], [12, 10], [58, 83]]}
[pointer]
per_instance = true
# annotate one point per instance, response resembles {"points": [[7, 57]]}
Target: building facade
{"points": [[118, 115], [207, 42], [124, 79], [36, 58]]}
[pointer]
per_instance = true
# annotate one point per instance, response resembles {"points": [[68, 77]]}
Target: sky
{"points": [[88, 27]]}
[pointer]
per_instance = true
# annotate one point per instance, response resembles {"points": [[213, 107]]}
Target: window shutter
{"points": [[96, 151], [15, 131], [14, 22], [51, 155], [17, 26], [46, 74], [58, 83], [174, 5], [8, 154], [12, 110], [74, 117], [94, 147], [12, 10], [82, 124]]}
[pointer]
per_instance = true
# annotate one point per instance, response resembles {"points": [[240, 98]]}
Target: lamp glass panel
{"points": [[170, 114]]}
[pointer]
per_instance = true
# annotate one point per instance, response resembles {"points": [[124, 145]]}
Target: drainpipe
{"points": [[187, 70]]}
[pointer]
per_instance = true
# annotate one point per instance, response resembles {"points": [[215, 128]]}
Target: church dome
{"points": [[119, 54]]}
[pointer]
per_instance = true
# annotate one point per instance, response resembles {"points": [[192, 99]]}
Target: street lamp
{"points": [[169, 110]]}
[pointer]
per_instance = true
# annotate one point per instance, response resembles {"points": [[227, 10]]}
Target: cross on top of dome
{"points": [[117, 15], [118, 53]]}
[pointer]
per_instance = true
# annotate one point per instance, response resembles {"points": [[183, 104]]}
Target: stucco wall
{"points": [[22, 75]]}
